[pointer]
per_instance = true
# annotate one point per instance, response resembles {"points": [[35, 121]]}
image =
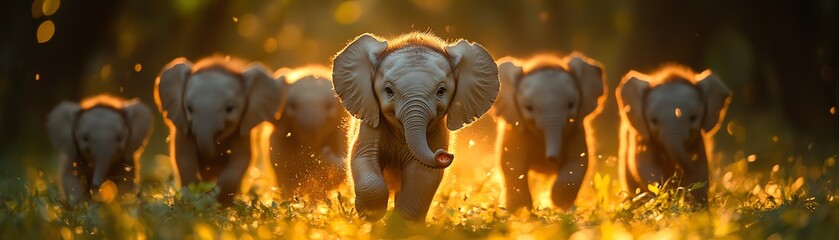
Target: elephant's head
{"points": [[549, 95], [104, 130], [312, 109], [673, 107], [216, 99], [413, 81]]}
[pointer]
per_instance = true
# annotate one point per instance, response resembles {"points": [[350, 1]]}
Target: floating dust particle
{"points": [[678, 112], [37, 77], [138, 67], [751, 158], [833, 110]]}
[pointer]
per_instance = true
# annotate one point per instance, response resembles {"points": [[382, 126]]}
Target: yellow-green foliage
{"points": [[744, 206]]}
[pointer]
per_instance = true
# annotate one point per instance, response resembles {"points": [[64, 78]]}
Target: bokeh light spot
{"points": [[107, 192], [348, 12], [270, 45], [45, 31], [50, 7], [105, 73], [138, 67], [37, 77], [289, 37], [248, 25], [544, 16]]}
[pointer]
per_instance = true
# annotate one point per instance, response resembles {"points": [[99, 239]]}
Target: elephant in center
{"points": [[402, 89], [544, 102]]}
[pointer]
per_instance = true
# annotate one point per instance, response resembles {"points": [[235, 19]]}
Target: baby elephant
{"points": [[309, 142], [667, 117], [402, 89], [212, 107], [99, 139], [544, 102]]}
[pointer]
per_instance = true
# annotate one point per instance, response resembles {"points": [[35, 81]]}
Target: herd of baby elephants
{"points": [[409, 93]]}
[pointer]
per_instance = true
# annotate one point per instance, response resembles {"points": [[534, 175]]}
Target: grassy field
{"points": [[778, 204]]}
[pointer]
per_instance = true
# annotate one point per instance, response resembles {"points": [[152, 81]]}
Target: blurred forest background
{"points": [[781, 58]]}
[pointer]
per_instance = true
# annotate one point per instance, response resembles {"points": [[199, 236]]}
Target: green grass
{"points": [[744, 205]]}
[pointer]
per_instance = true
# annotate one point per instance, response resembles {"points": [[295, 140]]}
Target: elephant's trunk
{"points": [[552, 128], [673, 141], [206, 144], [103, 159], [205, 137], [415, 123]]}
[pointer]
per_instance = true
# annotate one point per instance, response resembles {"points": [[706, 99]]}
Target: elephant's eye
{"points": [[654, 121], [692, 118], [189, 109], [119, 138], [441, 91], [229, 109], [85, 138], [529, 108], [570, 105], [389, 91]]}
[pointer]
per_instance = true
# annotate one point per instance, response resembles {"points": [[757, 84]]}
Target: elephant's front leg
{"points": [[419, 184], [644, 167], [230, 178], [185, 158], [371, 192], [73, 188], [514, 166], [571, 170]]}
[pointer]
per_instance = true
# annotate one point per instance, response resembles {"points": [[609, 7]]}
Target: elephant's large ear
{"points": [[169, 90], [630, 97], [717, 97], [264, 97], [60, 124], [352, 77], [477, 83], [281, 77], [589, 76], [509, 72], [140, 125]]}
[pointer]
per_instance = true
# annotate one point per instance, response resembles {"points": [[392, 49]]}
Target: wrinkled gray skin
{"points": [[98, 144], [665, 129], [309, 141], [544, 131], [413, 88], [212, 112]]}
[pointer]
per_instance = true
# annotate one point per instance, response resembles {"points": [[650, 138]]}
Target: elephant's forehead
{"points": [[311, 88], [415, 59], [100, 119], [676, 95], [549, 84], [213, 83]]}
